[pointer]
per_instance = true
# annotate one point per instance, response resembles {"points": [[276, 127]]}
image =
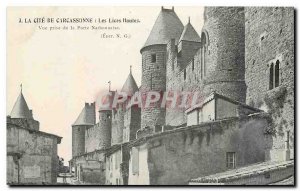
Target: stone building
{"points": [[269, 69], [31, 154], [242, 67]]}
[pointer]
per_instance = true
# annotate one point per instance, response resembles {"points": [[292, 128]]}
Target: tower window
{"points": [[230, 160], [193, 64], [184, 74], [153, 58], [277, 74], [274, 75]]}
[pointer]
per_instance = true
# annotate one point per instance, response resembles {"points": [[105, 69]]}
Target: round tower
{"points": [[85, 120], [223, 52], [154, 56], [104, 125]]}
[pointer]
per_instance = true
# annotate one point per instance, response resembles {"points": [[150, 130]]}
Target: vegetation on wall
{"points": [[274, 100]]}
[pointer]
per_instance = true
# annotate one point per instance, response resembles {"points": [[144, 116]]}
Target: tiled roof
{"points": [[254, 169], [20, 109], [87, 115], [167, 26]]}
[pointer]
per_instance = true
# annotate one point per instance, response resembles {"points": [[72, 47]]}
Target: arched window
{"points": [[274, 77]]}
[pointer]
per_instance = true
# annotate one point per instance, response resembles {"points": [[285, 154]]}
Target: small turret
{"points": [[85, 120], [21, 112], [154, 56], [20, 109], [189, 44], [132, 119]]}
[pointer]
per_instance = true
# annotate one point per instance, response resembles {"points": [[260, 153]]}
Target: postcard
{"points": [[153, 95]]}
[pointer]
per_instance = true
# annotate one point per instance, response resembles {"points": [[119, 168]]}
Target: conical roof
{"points": [[20, 109], [189, 34], [87, 115], [130, 86], [167, 26]]}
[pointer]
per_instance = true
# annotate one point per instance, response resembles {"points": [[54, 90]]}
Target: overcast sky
{"points": [[61, 70]]}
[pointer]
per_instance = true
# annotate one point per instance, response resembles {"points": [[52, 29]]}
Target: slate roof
{"points": [[20, 109], [189, 34], [87, 115], [130, 86], [167, 26]]}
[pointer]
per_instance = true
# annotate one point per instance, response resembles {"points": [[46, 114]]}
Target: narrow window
{"points": [[153, 58], [277, 74], [271, 82], [230, 160], [193, 64], [184, 74], [203, 54]]}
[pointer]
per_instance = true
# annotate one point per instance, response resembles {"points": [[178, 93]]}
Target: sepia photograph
{"points": [[150, 95]]}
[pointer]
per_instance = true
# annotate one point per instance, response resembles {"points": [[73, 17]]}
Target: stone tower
{"points": [[85, 120], [154, 56], [105, 128], [270, 60], [223, 52]]}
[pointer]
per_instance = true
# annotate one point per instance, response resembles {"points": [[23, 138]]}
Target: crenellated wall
{"points": [[99, 136]]}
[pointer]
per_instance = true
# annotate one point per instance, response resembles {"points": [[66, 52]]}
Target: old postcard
{"points": [[150, 95]]}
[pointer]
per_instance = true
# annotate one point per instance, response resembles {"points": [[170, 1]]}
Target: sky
{"points": [[60, 70]]}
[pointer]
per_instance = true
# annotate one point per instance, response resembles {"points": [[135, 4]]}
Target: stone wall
{"points": [[132, 123], [117, 125], [174, 157], [26, 123], [90, 167], [31, 156], [176, 70], [270, 37], [99, 136]]}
